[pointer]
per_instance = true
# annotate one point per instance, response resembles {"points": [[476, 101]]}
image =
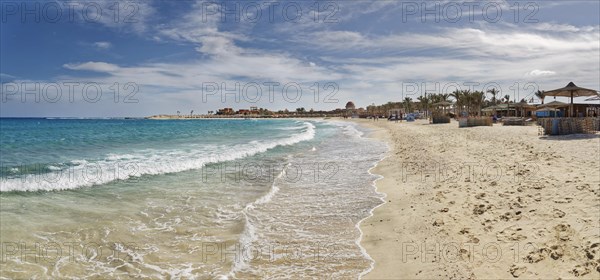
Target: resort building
{"points": [[247, 112], [225, 111]]}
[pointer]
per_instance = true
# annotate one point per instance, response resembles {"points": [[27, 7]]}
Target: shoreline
{"points": [[539, 216], [377, 135]]}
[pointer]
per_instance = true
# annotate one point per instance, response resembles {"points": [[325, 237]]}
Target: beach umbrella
{"points": [[443, 104], [571, 90]]}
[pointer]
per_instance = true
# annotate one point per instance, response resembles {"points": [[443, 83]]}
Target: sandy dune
{"points": [[485, 202]]}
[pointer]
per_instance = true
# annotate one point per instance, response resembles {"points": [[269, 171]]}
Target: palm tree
{"points": [[444, 96], [407, 104], [458, 99], [387, 107], [478, 99], [541, 95], [466, 99], [192, 113], [371, 109], [424, 102], [178, 113], [493, 92]]}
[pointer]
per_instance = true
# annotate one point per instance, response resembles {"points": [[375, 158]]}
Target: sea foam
{"points": [[86, 173]]}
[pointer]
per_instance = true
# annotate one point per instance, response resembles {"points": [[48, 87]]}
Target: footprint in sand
{"points": [[480, 209], [558, 213], [564, 232], [536, 256], [556, 252], [473, 239], [439, 196], [517, 271], [465, 254], [538, 233], [580, 270], [538, 186], [519, 202], [511, 233], [563, 200], [508, 216], [592, 251]]}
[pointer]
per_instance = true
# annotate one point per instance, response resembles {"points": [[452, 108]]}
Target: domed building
{"points": [[350, 105], [350, 110]]}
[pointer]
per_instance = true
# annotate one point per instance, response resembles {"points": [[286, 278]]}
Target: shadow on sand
{"points": [[570, 137]]}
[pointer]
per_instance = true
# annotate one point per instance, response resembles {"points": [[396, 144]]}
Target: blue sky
{"points": [[167, 56]]}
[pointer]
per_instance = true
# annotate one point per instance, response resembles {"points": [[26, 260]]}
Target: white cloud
{"points": [[102, 45], [368, 67], [537, 73], [132, 16], [93, 66], [510, 43], [4, 76]]}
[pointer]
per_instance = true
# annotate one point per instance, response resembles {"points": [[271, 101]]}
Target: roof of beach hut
{"points": [[547, 109], [553, 104], [597, 97], [571, 90], [502, 106]]}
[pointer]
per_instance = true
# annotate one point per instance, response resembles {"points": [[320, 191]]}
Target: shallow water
{"points": [[203, 198]]}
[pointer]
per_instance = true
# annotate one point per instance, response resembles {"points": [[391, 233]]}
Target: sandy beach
{"points": [[484, 203]]}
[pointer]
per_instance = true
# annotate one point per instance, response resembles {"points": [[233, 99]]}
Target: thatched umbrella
{"points": [[443, 104], [571, 90]]}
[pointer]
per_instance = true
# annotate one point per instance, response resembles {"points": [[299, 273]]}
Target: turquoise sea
{"points": [[208, 199]]}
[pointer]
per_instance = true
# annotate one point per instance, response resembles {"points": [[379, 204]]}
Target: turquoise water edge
{"points": [[92, 198]]}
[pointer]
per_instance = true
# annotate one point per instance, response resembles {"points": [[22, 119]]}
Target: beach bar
{"points": [[580, 118]]}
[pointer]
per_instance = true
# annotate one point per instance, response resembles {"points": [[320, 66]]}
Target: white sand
{"points": [[536, 214]]}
